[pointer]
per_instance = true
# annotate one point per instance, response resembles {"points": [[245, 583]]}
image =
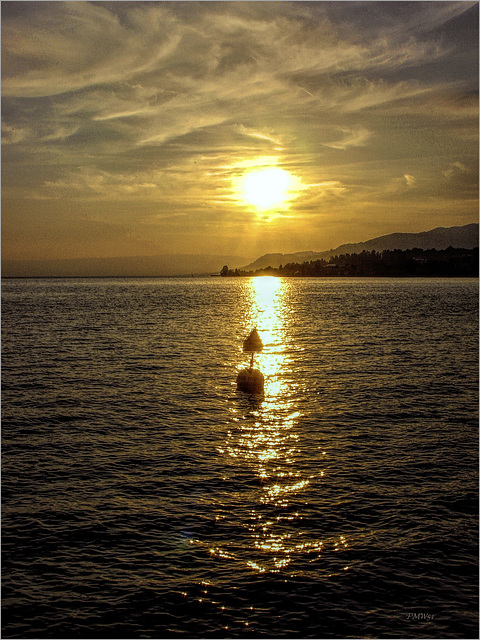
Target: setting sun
{"points": [[267, 188]]}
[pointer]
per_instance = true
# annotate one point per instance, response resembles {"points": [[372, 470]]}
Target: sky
{"points": [[241, 128]]}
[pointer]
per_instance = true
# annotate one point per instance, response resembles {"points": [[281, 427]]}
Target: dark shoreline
{"points": [[411, 263]]}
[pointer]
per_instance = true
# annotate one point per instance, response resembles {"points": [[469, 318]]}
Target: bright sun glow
{"points": [[267, 188]]}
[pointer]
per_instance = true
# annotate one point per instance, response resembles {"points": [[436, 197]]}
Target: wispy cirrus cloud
{"points": [[79, 45], [351, 137]]}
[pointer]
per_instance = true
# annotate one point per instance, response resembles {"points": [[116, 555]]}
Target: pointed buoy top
{"points": [[253, 343]]}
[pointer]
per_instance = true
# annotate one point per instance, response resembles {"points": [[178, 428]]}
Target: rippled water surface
{"points": [[145, 497]]}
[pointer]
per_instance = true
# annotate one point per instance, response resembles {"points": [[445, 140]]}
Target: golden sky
{"points": [[137, 128]]}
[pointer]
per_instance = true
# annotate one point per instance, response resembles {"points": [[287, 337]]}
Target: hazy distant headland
{"points": [[175, 265], [464, 237]]}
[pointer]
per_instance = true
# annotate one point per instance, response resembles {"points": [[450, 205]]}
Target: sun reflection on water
{"points": [[262, 439], [268, 483]]}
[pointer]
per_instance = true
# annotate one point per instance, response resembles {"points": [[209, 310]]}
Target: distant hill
{"points": [[465, 237], [151, 266]]}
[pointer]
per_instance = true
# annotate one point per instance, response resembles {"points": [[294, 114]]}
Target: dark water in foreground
{"points": [[144, 497]]}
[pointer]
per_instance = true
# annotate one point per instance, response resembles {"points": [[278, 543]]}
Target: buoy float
{"points": [[251, 380]]}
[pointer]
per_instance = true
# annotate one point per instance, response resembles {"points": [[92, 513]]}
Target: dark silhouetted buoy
{"points": [[251, 380]]}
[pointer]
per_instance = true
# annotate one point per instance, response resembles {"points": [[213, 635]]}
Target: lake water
{"points": [[145, 497]]}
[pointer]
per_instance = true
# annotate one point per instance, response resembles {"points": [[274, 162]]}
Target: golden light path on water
{"points": [[263, 440]]}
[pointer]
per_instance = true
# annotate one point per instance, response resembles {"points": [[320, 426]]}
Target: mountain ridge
{"points": [[465, 237]]}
